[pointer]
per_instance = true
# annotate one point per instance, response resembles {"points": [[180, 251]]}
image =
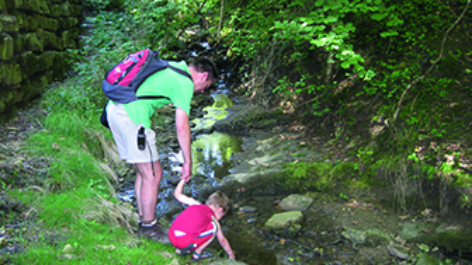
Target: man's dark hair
{"points": [[205, 65]]}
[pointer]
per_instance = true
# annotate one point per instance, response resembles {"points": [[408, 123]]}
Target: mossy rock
{"points": [[342, 171], [70, 22], [76, 10], [52, 41], [6, 47], [21, 19], [451, 240], [6, 99], [11, 73], [267, 182], [52, 24], [39, 6], [68, 39], [308, 176], [10, 23], [286, 224], [32, 22], [32, 63], [32, 42], [55, 10]]}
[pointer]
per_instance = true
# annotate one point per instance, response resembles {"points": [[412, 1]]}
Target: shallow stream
{"points": [[212, 153]]}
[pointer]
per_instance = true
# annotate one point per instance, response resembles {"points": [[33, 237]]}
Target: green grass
{"points": [[75, 205]]}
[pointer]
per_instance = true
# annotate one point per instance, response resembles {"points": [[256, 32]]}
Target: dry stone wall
{"points": [[35, 37]]}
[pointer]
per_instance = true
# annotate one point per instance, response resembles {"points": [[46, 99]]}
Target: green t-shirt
{"points": [[167, 83]]}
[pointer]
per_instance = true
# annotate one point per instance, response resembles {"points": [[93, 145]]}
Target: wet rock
{"points": [[251, 220], [355, 236], [168, 208], [285, 224], [425, 259], [296, 202], [396, 253], [376, 237], [248, 209], [412, 230]]}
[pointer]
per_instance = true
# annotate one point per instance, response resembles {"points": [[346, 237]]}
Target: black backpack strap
{"points": [[180, 71], [152, 97]]}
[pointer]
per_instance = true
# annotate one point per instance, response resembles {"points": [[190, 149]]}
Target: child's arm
{"points": [[181, 197], [223, 241]]}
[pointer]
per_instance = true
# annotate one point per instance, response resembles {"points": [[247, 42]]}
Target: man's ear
{"points": [[204, 75]]}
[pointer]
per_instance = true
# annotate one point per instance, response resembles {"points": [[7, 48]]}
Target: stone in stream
{"points": [[251, 220], [370, 237], [296, 202], [396, 253], [356, 236], [248, 209], [285, 224]]}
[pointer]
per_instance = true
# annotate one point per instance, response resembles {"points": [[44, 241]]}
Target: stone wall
{"points": [[35, 35]]}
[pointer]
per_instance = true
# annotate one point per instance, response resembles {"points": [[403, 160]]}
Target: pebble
{"points": [[394, 252], [251, 220], [248, 209]]}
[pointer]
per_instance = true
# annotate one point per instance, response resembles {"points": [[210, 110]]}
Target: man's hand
{"points": [[186, 171]]}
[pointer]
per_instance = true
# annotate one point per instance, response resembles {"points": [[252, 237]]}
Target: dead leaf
{"points": [[55, 146], [426, 212], [400, 240], [18, 160], [404, 217]]}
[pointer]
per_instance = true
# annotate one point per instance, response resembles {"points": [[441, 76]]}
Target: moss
{"points": [[451, 240], [307, 176], [6, 47], [276, 114], [358, 184], [342, 171]]}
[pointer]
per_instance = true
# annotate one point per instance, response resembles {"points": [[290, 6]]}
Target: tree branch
{"points": [[434, 63], [221, 18]]}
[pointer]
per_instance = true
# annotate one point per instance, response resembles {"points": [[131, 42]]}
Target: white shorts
{"points": [[125, 133]]}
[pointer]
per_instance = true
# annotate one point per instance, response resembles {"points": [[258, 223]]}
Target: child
{"points": [[195, 228]]}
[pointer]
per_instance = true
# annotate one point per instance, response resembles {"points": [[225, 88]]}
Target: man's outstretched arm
{"points": [[183, 135]]}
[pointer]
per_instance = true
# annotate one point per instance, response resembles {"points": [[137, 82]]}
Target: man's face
{"points": [[201, 83]]}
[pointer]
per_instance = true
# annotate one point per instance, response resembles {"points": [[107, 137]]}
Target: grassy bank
{"points": [[70, 212]]}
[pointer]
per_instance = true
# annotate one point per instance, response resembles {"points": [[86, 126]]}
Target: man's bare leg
{"points": [[147, 189], [137, 190]]}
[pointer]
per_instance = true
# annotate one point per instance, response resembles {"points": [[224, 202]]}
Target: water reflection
{"points": [[212, 154]]}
